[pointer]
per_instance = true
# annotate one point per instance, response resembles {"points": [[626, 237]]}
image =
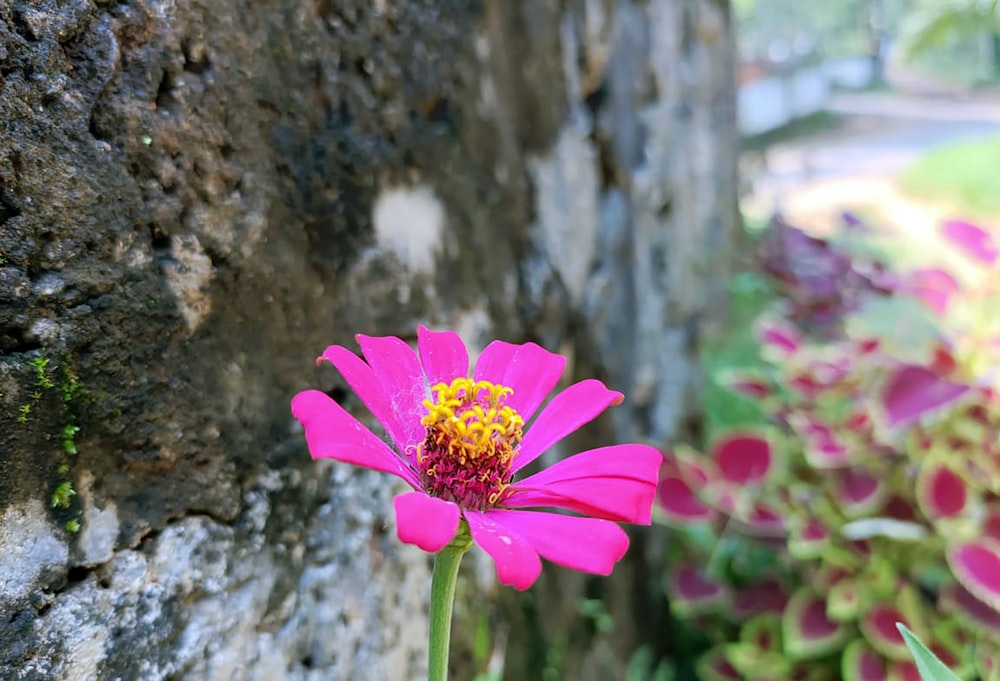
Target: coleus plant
{"points": [[876, 488], [819, 283]]}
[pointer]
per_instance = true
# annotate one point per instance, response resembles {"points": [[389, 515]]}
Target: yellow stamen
{"points": [[472, 437], [474, 432]]}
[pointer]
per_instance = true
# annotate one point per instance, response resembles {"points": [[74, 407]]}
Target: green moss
{"points": [[43, 377], [62, 494], [71, 387], [67, 385], [69, 438]]}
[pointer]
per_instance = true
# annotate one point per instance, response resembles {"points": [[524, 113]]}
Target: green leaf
{"points": [[930, 667], [906, 328]]}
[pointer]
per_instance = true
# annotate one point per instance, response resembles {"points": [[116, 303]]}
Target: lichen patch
{"points": [[188, 276], [28, 547]]}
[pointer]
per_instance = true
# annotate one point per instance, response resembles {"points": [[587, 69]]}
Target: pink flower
{"points": [[459, 442]]}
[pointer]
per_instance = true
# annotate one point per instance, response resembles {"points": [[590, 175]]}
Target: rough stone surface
{"points": [[197, 196]]}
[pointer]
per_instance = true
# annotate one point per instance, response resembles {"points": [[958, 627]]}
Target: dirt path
{"points": [[854, 165]]}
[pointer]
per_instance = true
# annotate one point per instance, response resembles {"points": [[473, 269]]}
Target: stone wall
{"points": [[197, 196]]}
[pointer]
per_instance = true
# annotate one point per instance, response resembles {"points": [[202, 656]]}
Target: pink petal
{"points": [[398, 370], [426, 521], [332, 433], [616, 483], [531, 370], [914, 390], [518, 564], [586, 544], [975, 241], [443, 355], [367, 386], [576, 405]]}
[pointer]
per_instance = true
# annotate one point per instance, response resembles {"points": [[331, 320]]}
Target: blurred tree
{"points": [[836, 28], [933, 22]]}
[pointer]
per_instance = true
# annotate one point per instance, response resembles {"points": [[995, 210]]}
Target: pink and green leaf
{"points": [[743, 458], [976, 565], [763, 631], [859, 492], [988, 662], [808, 632], [900, 670], [934, 286], [753, 662], [878, 625], [825, 453], [761, 597], [845, 601], [972, 240], [991, 522], [973, 612], [778, 339], [694, 593], [679, 504], [808, 539], [714, 666], [861, 663], [913, 391], [753, 385], [941, 492], [762, 520]]}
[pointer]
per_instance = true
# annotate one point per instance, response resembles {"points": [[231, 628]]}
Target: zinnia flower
{"points": [[460, 441]]}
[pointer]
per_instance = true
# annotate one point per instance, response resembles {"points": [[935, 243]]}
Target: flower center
{"points": [[472, 437]]}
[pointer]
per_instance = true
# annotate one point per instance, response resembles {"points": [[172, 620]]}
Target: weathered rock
{"points": [[196, 197]]}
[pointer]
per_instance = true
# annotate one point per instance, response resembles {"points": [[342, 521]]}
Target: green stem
{"points": [[446, 563]]}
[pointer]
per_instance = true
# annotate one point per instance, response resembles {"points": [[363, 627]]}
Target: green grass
{"points": [[965, 176]]}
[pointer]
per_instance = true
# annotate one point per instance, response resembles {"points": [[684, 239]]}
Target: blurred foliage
{"points": [[837, 28], [934, 22], [861, 486], [724, 409]]}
